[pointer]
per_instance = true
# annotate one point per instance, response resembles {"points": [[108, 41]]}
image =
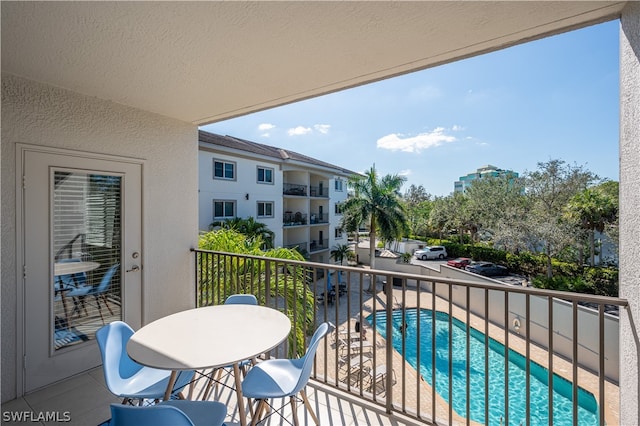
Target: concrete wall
{"points": [[629, 217], [38, 114]]}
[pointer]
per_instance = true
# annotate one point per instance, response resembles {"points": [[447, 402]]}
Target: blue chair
{"points": [[126, 378], [63, 285], [98, 292], [234, 299], [281, 378], [170, 413], [241, 299]]}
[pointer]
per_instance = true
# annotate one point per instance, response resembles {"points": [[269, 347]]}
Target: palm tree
{"points": [[224, 275], [248, 227], [377, 201], [340, 252]]}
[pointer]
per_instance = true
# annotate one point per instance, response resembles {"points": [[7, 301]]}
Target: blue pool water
{"points": [[539, 393]]}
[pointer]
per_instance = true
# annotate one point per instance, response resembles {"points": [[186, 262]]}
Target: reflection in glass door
{"points": [[86, 236]]}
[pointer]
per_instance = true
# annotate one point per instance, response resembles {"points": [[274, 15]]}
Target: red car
{"points": [[459, 262]]}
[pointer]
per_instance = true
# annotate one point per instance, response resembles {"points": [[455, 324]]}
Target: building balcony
{"points": [[315, 218], [294, 219], [318, 245], [319, 192], [301, 247], [495, 347], [294, 189]]}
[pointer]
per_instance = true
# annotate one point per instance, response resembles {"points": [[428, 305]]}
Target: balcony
{"points": [[315, 218], [507, 342], [294, 219], [301, 247], [318, 245], [319, 192], [551, 338], [294, 189]]}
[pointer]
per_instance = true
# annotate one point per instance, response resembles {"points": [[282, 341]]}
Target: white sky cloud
{"points": [[398, 142], [266, 126], [457, 128], [300, 130], [405, 172], [322, 128]]}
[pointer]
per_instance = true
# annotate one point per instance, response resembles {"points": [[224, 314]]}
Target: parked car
{"points": [[459, 262], [432, 252], [487, 269]]}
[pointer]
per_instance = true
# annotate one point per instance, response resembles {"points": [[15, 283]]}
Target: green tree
{"points": [[439, 215], [451, 213], [264, 276], [377, 201], [549, 189], [248, 227], [340, 252], [592, 210], [417, 203], [498, 206]]}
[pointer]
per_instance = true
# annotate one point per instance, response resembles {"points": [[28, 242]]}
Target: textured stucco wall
{"points": [[629, 217], [38, 114]]}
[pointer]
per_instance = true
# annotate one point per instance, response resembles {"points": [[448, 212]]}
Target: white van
{"points": [[431, 252]]}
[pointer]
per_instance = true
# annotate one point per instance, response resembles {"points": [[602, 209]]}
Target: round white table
{"points": [[209, 337], [69, 268]]}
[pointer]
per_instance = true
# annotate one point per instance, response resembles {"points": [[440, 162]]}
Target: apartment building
{"points": [[298, 197], [483, 172]]}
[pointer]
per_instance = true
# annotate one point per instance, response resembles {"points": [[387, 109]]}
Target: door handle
{"points": [[134, 268]]}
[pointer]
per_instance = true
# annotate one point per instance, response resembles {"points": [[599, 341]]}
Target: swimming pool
{"points": [[539, 394]]}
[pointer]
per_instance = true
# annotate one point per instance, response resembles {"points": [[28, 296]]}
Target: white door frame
{"points": [[21, 150]]}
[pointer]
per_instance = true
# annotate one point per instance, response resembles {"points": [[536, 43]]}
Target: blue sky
{"points": [[556, 98]]}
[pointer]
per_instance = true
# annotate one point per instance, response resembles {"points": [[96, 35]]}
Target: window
{"points": [[224, 170], [265, 209], [265, 175], [338, 208], [338, 185], [338, 233], [224, 209]]}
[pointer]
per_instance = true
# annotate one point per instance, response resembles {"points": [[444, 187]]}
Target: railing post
{"points": [[388, 291], [267, 283]]}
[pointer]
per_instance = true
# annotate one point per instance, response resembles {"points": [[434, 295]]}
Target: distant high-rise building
{"points": [[484, 171]]}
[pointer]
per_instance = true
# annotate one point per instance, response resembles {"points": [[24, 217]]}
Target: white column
{"points": [[629, 207]]}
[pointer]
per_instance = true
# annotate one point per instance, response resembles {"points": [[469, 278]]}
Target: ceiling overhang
{"points": [[202, 62]]}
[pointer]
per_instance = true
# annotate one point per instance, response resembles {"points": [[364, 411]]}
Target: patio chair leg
{"points": [[309, 408], [99, 310], [256, 418], [104, 297], [294, 410]]}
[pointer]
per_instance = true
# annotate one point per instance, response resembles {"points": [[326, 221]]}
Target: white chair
{"points": [[281, 378]]}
